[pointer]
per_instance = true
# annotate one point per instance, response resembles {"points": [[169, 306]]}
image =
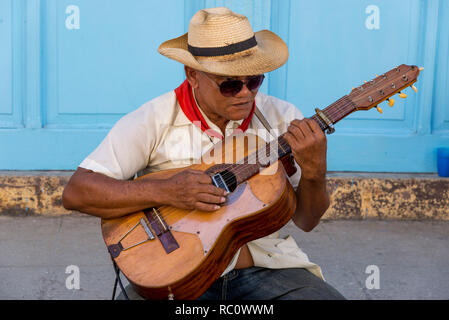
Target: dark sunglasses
{"points": [[230, 88]]}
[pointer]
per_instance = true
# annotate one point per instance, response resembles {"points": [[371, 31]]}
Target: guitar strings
{"points": [[168, 211], [253, 156], [336, 111]]}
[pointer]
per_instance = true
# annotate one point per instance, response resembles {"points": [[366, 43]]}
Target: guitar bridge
{"points": [[161, 229]]}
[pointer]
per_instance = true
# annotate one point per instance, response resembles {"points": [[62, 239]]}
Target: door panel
{"points": [[70, 69]]}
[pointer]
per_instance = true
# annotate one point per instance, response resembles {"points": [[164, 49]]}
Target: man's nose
{"points": [[245, 91]]}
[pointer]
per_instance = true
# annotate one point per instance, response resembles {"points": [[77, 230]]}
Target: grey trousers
{"points": [[257, 283]]}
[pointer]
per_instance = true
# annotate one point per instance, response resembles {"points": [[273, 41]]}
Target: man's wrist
{"points": [[154, 192]]}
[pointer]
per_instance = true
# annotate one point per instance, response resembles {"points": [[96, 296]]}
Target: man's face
{"points": [[231, 108]]}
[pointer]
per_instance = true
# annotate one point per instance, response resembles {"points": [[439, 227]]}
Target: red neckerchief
{"points": [[184, 94]]}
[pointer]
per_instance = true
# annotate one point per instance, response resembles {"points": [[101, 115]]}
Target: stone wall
{"points": [[353, 195]]}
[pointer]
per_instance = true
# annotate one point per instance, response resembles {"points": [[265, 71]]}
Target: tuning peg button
{"points": [[402, 95], [379, 109], [390, 102], [414, 88]]}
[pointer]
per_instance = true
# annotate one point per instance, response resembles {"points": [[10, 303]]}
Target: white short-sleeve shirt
{"points": [[158, 136]]}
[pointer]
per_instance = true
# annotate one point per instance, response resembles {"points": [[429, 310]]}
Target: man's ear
{"points": [[192, 76]]}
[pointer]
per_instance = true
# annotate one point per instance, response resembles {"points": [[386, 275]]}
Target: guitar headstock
{"points": [[381, 88]]}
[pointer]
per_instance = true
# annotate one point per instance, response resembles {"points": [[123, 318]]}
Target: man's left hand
{"points": [[309, 146]]}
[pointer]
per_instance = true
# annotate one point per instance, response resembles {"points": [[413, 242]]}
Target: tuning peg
{"points": [[414, 88], [390, 102], [402, 95], [365, 81], [379, 109], [421, 68]]}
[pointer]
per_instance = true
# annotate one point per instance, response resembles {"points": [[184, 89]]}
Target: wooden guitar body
{"points": [[207, 240], [191, 249]]}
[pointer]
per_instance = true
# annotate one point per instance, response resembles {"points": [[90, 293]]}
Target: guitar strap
{"points": [[288, 161], [262, 119]]}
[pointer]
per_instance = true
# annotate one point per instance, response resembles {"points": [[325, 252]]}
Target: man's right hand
{"points": [[192, 189]]}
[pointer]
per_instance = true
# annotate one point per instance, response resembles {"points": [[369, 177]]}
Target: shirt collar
{"points": [[182, 120]]}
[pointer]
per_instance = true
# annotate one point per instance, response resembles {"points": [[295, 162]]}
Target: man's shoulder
{"points": [[162, 104], [159, 109]]}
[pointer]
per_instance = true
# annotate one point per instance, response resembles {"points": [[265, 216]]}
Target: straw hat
{"points": [[222, 42]]}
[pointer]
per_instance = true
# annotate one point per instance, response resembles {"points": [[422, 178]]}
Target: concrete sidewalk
{"points": [[412, 257]]}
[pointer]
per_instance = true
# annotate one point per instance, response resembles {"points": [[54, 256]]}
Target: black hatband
{"points": [[221, 51]]}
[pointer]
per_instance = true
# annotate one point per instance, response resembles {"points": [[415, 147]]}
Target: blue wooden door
{"points": [[70, 68]]}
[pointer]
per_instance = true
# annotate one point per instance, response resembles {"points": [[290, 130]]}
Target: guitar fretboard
{"points": [[253, 163]]}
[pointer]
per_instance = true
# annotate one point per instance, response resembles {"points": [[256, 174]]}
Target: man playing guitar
{"points": [[225, 62]]}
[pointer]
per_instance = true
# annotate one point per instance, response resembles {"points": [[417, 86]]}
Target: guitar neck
{"points": [[333, 113], [364, 97], [280, 148]]}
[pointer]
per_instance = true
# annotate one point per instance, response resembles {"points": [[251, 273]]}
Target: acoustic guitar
{"points": [[166, 252]]}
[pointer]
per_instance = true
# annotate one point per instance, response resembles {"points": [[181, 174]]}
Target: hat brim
{"points": [[271, 53]]}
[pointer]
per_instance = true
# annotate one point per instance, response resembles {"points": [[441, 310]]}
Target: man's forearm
{"points": [[102, 196], [312, 201]]}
